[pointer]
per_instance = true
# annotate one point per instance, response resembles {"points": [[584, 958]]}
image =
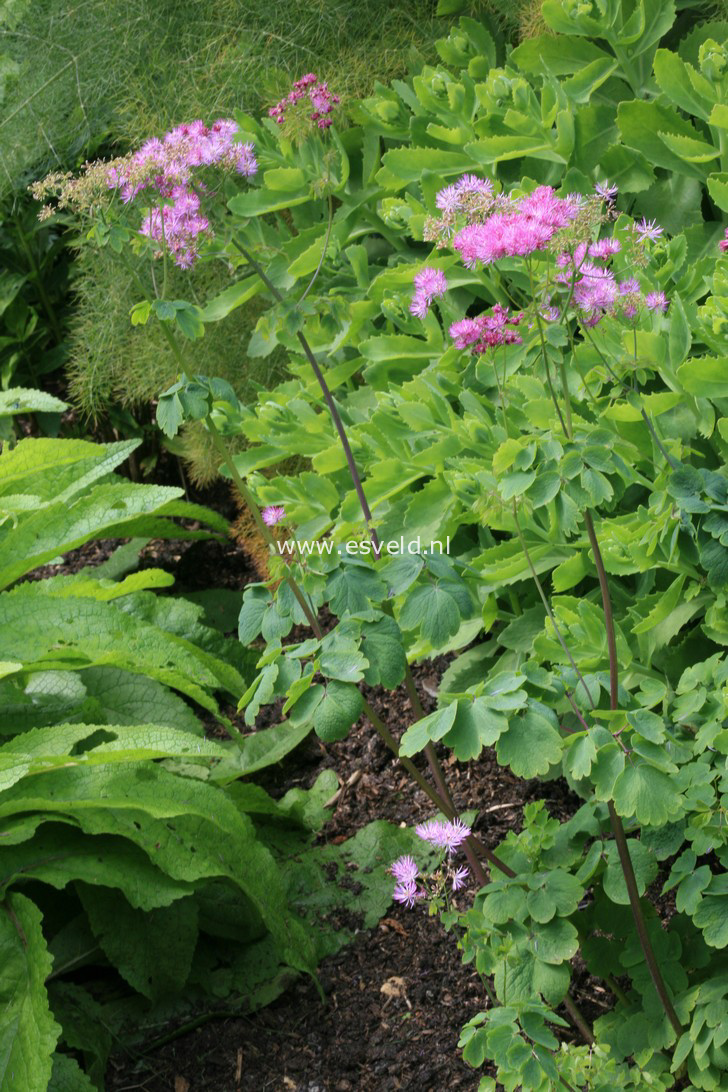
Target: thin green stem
{"points": [[567, 398], [544, 354]]}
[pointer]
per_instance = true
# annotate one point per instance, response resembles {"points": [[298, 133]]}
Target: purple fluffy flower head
{"points": [[448, 835], [648, 229], [604, 248], [518, 228], [406, 893], [606, 191], [405, 870], [273, 515], [724, 241], [430, 284], [656, 301], [460, 877], [166, 170], [595, 293]]}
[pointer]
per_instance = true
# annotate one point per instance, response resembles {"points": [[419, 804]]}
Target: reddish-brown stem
{"points": [[617, 826]]}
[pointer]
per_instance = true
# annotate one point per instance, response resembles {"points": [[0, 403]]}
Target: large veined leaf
{"points": [[153, 950], [47, 634], [56, 470], [28, 1032], [52, 530], [58, 855], [226, 658], [67, 1076], [188, 828], [23, 400]]}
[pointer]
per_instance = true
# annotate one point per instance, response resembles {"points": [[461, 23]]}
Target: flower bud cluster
{"points": [[322, 100], [487, 331]]}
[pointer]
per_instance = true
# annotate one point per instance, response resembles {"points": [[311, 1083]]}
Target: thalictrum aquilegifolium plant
{"points": [[546, 409]]}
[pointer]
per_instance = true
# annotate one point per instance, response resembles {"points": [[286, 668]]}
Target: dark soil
{"points": [[397, 997]]}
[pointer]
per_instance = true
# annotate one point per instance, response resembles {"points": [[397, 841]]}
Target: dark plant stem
{"points": [[617, 826], [473, 846], [578, 1018], [430, 755], [332, 407]]}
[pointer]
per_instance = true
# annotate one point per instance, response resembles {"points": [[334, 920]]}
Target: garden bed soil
{"points": [[398, 995]]}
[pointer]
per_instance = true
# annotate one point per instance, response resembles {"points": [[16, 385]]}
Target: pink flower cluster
{"points": [[596, 290], [430, 284], [524, 225], [322, 100], [597, 293], [486, 331], [724, 242], [443, 835], [167, 167]]}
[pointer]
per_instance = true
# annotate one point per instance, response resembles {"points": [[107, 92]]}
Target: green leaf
{"points": [[648, 794], [268, 746], [68, 1076], [382, 645], [680, 336], [555, 942], [28, 1032], [530, 746], [340, 707], [712, 918], [555, 892], [718, 189], [58, 855], [706, 377], [250, 621], [352, 588], [659, 133], [644, 864], [25, 400], [434, 611], [430, 728], [476, 725], [54, 529], [188, 827], [102, 634], [152, 950]]}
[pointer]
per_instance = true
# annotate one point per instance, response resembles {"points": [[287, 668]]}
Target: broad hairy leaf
{"points": [[28, 1032]]}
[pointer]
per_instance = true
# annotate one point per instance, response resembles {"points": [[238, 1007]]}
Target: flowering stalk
{"points": [[430, 755], [499, 227], [615, 820], [335, 415]]}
